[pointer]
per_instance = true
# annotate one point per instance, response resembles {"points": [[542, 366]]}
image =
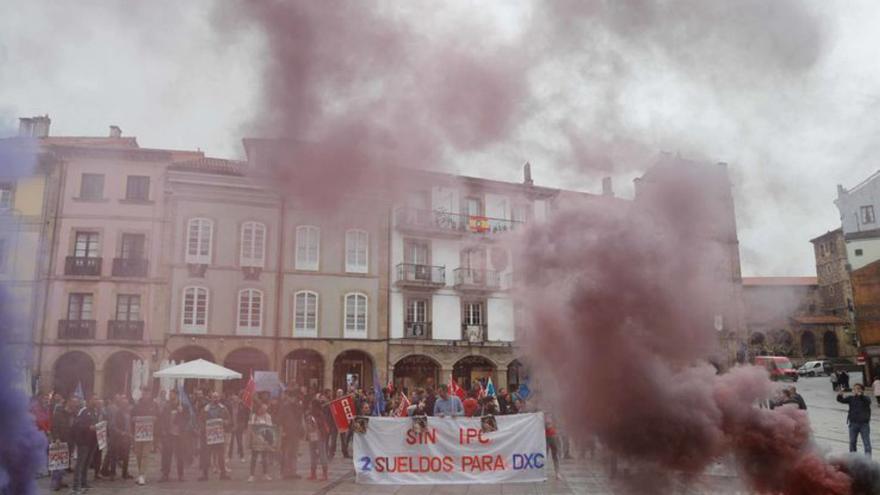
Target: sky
{"points": [[787, 93]]}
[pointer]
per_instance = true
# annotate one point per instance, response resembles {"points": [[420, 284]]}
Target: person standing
{"points": [[120, 428], [290, 418], [316, 432], [505, 402], [62, 423], [332, 432], [261, 417], [471, 404], [86, 443], [240, 416], [145, 407], [172, 430], [552, 441], [858, 417], [875, 387], [98, 455], [213, 410], [834, 377], [447, 405]]}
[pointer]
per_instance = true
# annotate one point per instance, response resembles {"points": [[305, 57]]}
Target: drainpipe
{"points": [[279, 281], [53, 247]]}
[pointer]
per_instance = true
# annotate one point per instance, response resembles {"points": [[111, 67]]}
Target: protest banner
{"points": [[268, 381], [342, 410], [101, 433], [451, 451], [143, 428], [59, 457], [264, 438], [214, 433]]}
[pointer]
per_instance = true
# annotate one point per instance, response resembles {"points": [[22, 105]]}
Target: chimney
{"points": [[527, 174], [115, 131], [34, 126], [607, 189], [840, 191]]}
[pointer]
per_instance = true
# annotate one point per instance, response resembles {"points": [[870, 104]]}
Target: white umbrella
{"points": [[199, 369]]}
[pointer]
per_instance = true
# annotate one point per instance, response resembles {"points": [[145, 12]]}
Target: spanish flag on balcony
{"points": [[478, 224]]}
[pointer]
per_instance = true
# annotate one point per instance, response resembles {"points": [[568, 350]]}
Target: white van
{"points": [[811, 368]]}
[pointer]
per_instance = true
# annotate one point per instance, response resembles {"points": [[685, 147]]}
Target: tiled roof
{"points": [[96, 142], [211, 166], [820, 320], [779, 281]]}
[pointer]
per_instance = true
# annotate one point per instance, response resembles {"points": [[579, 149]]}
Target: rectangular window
{"points": [[417, 311], [356, 251], [520, 213], [132, 246], [250, 311], [858, 252], [308, 243], [128, 307], [92, 186], [416, 252], [79, 306], [305, 309], [867, 214], [6, 192], [198, 241], [195, 310], [473, 313], [253, 244], [473, 206], [86, 245], [355, 315], [137, 188]]}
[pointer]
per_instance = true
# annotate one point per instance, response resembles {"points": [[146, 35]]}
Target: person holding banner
{"points": [[261, 417], [145, 406], [213, 413], [172, 425], [447, 405], [62, 427], [316, 433]]}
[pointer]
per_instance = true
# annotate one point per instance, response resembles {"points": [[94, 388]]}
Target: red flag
{"points": [[342, 410], [249, 390], [404, 405], [481, 392], [454, 389]]}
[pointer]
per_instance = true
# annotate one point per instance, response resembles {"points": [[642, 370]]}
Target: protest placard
{"points": [[451, 450], [101, 433], [214, 432], [59, 457], [143, 428], [264, 438], [342, 410]]}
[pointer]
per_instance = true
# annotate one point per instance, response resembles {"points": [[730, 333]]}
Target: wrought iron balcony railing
{"points": [[437, 220], [76, 329], [421, 275], [477, 279], [130, 267], [474, 334], [417, 329], [82, 266], [125, 330]]}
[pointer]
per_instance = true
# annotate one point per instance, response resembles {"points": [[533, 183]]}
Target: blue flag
{"points": [[380, 397], [490, 388], [184, 401], [78, 393], [523, 390]]}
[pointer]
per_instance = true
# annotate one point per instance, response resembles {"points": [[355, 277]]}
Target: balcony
{"points": [[442, 222], [81, 266], [417, 330], [76, 329], [125, 330], [425, 276], [474, 334], [129, 267], [477, 279]]}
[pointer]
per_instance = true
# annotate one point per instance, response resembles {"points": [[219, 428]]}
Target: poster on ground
{"points": [[451, 451], [101, 433], [264, 438], [59, 457], [143, 428], [214, 433]]}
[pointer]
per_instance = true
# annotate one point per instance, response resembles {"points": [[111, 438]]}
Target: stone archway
{"points": [[829, 343], [117, 373], [304, 367], [353, 367], [781, 342], [808, 344], [71, 370], [469, 369], [244, 360], [416, 370], [190, 353]]}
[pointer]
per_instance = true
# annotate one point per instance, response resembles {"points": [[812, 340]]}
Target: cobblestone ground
{"points": [[579, 476]]}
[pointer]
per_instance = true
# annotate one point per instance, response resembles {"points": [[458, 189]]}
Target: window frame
{"points": [[305, 331], [195, 327], [83, 190], [307, 264], [129, 188], [128, 306], [123, 252], [253, 294], [359, 235], [198, 258], [96, 253], [464, 312], [408, 307], [353, 332], [253, 259], [83, 297], [866, 214]]}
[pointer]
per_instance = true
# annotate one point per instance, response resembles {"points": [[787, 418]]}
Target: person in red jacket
{"points": [[471, 404]]}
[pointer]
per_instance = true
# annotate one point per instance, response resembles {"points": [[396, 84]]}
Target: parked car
{"points": [[812, 368], [840, 364], [779, 367]]}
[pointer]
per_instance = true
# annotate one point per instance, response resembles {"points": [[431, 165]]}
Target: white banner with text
{"points": [[451, 450]]}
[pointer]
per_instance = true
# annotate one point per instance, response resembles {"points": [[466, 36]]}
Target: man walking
{"points": [[214, 410], [859, 417]]}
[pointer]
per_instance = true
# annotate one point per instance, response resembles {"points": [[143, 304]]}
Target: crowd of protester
{"points": [[302, 416]]}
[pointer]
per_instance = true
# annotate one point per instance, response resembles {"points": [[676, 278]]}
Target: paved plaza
{"points": [[579, 476]]}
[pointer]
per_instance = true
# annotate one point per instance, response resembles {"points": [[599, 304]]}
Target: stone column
{"points": [[500, 378], [99, 382], [328, 373]]}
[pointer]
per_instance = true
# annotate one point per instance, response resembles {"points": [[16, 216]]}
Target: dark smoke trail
{"points": [[22, 445]]}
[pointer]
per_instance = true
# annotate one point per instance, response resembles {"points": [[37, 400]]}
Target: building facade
{"points": [[861, 229], [833, 277]]}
